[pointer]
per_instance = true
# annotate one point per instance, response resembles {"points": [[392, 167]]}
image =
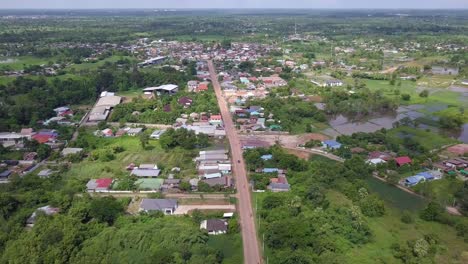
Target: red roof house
{"points": [[104, 182], [400, 161], [202, 87], [41, 138]]}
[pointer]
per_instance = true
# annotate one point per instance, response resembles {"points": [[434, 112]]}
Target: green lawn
{"points": [[149, 184], [230, 245], [440, 190]]}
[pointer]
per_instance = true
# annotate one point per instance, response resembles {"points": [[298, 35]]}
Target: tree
{"points": [[43, 151], [105, 209], [144, 140], [372, 206], [424, 94], [421, 247], [185, 186], [102, 125], [316, 196], [432, 212]]}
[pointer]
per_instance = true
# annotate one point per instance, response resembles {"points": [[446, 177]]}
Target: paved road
{"points": [[185, 209], [249, 234]]}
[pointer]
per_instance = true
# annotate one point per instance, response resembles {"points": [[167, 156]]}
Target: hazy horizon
{"points": [[239, 4]]}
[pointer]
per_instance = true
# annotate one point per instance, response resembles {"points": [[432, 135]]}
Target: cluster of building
{"points": [[62, 116], [18, 167], [214, 168], [452, 166], [194, 51], [211, 125], [16, 140], [252, 118], [252, 87]]}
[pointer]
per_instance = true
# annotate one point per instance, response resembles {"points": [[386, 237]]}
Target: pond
{"points": [[464, 134], [396, 197]]}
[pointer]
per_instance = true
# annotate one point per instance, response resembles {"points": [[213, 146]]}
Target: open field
{"points": [[18, 63]]}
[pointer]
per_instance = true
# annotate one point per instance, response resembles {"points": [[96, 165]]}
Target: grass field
{"points": [[410, 87], [133, 153], [389, 229], [94, 66]]}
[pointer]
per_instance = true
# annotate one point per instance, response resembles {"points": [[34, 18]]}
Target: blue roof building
{"points": [[267, 157], [413, 180], [270, 170], [427, 175], [333, 144]]}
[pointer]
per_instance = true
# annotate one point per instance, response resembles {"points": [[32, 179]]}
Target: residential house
{"points": [[4, 175], [145, 173], [134, 131], [375, 161], [279, 184], [266, 157], [273, 81], [214, 226], [71, 151], [400, 161], [331, 144], [45, 173], [48, 210], [167, 206], [8, 139], [221, 181], [169, 89], [423, 176], [216, 120], [98, 185], [107, 132], [157, 134], [203, 86], [192, 86], [185, 101]]}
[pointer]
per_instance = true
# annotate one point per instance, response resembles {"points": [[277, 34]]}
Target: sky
{"points": [[332, 4]]}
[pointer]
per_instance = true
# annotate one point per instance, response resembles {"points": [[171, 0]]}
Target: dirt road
{"points": [[185, 209], [249, 234]]}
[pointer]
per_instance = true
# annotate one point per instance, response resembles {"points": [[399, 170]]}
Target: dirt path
{"points": [[252, 253]]}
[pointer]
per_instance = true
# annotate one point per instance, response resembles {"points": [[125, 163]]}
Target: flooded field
{"points": [[396, 197], [341, 125]]}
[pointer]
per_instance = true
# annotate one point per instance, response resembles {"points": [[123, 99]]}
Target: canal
{"points": [[396, 197]]}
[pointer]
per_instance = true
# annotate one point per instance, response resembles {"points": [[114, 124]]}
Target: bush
{"points": [[372, 206], [405, 97], [407, 217]]}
